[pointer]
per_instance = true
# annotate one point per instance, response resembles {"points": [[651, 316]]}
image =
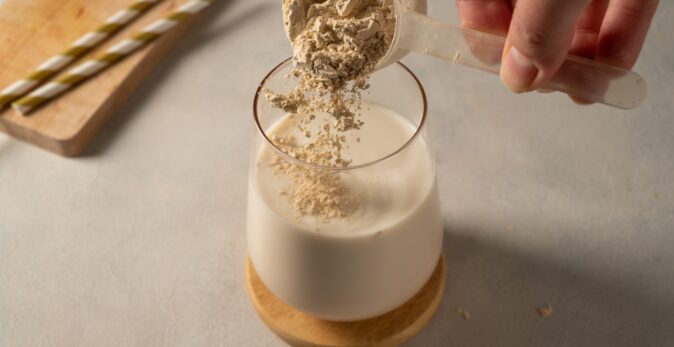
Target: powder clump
{"points": [[342, 40]]}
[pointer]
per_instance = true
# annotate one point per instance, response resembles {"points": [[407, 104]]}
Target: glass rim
{"points": [[288, 157]]}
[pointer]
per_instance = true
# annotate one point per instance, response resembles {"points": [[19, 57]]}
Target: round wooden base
{"points": [[390, 329]]}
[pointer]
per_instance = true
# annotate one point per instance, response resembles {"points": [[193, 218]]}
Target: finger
{"points": [[538, 40], [585, 37], [624, 30], [580, 101], [492, 16], [584, 43]]}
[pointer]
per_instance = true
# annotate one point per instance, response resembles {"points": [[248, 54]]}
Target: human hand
{"points": [[540, 33]]}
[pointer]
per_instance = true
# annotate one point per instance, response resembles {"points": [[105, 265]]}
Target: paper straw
{"points": [[113, 55], [78, 48]]}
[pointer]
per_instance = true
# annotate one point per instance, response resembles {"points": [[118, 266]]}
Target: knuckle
{"points": [[633, 10], [616, 53], [535, 39], [638, 11]]}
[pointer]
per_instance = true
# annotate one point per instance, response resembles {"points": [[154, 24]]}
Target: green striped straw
{"points": [[80, 47], [113, 55]]}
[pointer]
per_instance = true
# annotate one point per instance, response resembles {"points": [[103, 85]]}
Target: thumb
{"points": [[538, 41]]}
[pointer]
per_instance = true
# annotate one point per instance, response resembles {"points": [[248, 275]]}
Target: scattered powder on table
{"points": [[336, 46], [545, 311], [463, 313]]}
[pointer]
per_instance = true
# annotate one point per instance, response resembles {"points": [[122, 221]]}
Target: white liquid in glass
{"points": [[364, 265]]}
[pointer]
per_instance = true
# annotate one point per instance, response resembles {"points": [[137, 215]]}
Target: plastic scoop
{"points": [[577, 76], [414, 31]]}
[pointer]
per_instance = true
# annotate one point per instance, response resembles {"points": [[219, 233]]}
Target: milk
{"points": [[364, 265]]}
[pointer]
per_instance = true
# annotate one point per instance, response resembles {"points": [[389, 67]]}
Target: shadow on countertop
{"points": [[201, 35], [502, 290]]}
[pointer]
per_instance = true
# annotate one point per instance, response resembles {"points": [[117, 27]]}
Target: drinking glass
{"points": [[374, 260]]}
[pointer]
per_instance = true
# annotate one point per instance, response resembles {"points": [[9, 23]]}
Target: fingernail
{"points": [[518, 72]]}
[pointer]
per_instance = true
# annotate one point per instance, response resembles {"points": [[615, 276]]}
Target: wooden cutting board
{"points": [[33, 30]]}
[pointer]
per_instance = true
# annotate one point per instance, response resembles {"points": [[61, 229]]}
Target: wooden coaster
{"points": [[390, 329]]}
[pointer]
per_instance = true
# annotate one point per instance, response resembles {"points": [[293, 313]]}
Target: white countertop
{"points": [[142, 241]]}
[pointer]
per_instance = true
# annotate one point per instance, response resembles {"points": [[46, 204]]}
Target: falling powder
{"points": [[336, 46]]}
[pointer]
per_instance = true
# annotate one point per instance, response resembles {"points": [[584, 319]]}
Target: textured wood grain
{"points": [[31, 31], [391, 329]]}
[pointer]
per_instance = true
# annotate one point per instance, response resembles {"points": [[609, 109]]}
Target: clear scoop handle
{"points": [[577, 76]]}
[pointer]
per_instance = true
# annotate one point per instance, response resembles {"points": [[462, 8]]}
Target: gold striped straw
{"points": [[80, 47], [113, 55]]}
